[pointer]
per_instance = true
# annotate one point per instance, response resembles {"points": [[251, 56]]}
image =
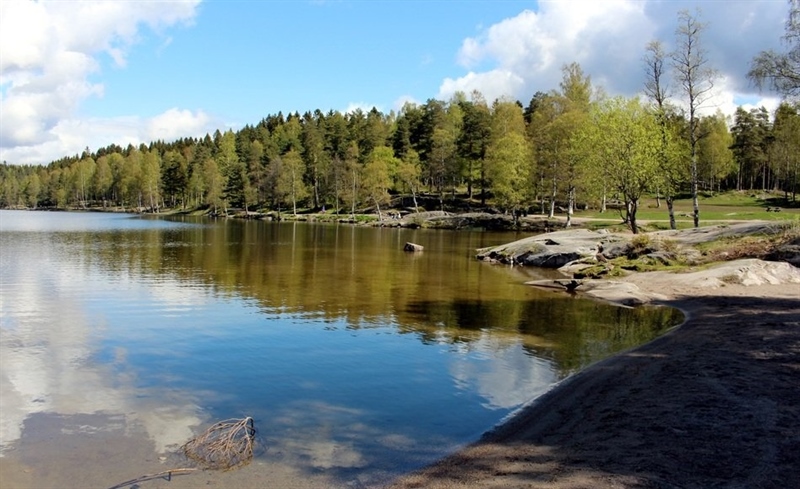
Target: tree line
{"points": [[569, 146]]}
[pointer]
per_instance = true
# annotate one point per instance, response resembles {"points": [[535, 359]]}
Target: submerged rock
{"points": [[413, 247]]}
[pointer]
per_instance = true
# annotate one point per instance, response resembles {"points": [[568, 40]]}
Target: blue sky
{"points": [[88, 74], [295, 55]]}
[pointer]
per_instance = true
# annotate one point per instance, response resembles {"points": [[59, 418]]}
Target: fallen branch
{"points": [[224, 446], [167, 475]]}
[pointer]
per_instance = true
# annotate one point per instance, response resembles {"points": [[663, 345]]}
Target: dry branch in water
{"points": [[167, 475], [225, 445]]}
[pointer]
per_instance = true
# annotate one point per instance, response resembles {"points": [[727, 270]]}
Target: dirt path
{"points": [[715, 403]]}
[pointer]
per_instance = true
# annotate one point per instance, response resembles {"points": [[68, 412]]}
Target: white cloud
{"points": [[402, 100], [492, 84], [176, 123], [50, 51], [524, 54], [363, 106], [726, 98], [71, 136]]}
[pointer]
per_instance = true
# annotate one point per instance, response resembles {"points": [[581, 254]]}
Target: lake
{"points": [[123, 336]]}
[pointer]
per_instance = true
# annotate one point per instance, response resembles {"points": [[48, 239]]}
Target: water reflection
{"points": [[51, 332], [352, 355]]}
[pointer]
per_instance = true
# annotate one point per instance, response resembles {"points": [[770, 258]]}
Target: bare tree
{"points": [[781, 71], [696, 79], [657, 89]]}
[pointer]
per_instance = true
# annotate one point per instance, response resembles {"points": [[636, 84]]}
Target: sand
{"points": [[714, 403]]}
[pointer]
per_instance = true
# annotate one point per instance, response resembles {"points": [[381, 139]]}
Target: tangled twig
{"points": [[224, 446]]}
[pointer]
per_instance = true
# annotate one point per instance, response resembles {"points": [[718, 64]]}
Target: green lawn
{"points": [[728, 206]]}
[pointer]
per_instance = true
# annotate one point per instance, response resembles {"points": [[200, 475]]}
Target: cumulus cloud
{"points": [[402, 100], [493, 84], [72, 135], [176, 123], [50, 52], [524, 54]]}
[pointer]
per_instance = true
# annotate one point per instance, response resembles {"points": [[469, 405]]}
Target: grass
{"points": [[727, 206], [673, 256]]}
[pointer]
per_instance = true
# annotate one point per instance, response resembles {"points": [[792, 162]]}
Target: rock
{"points": [[623, 293], [551, 250], [789, 252], [474, 220], [746, 272], [659, 258], [615, 249], [710, 233], [617, 292], [413, 247], [548, 260]]}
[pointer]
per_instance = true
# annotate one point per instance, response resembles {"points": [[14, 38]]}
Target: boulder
{"points": [[413, 247], [789, 252], [617, 292], [551, 250]]}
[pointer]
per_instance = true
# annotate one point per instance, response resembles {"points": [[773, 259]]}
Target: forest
{"points": [[568, 148]]}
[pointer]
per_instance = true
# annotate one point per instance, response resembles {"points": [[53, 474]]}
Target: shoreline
{"points": [[711, 403]]}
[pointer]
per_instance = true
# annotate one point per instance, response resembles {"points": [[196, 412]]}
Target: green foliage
{"points": [[622, 142], [377, 176], [508, 157], [565, 147]]}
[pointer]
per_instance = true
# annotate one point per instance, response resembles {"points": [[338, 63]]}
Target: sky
{"points": [[86, 74]]}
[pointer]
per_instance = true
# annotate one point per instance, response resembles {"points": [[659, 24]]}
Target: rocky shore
{"points": [[714, 403]]}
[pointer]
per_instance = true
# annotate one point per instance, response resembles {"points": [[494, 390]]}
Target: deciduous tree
{"points": [[696, 78], [623, 141], [781, 71], [785, 148], [377, 175], [714, 156]]}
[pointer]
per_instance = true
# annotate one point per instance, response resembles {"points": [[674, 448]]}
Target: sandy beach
{"points": [[714, 403]]}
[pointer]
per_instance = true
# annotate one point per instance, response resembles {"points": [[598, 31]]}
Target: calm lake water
{"points": [[353, 357]]}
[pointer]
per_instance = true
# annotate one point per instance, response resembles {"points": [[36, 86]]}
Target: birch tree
{"points": [[696, 78]]}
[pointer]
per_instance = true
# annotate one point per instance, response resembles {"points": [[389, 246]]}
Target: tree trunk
{"points": [[671, 208], [469, 180], [483, 186], [633, 206], [553, 196], [695, 201], [315, 180], [570, 205], [353, 208]]}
